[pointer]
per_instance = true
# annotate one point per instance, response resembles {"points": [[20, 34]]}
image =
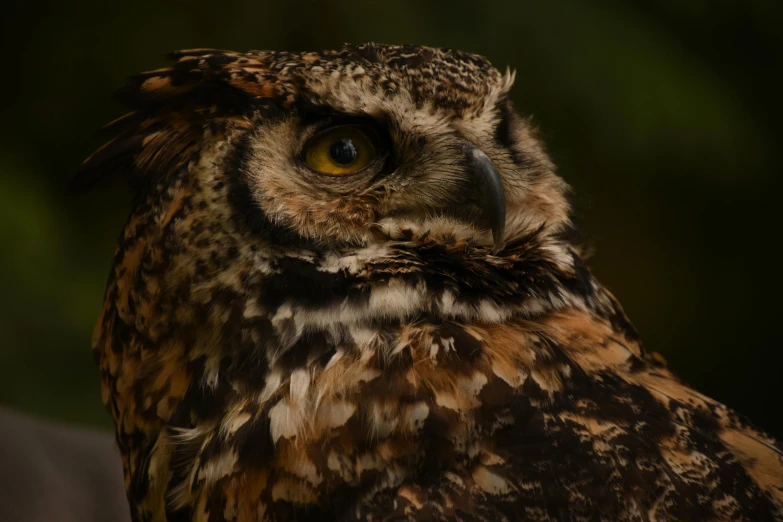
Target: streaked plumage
{"points": [[278, 344]]}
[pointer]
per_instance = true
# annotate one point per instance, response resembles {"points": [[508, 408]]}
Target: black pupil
{"points": [[343, 152]]}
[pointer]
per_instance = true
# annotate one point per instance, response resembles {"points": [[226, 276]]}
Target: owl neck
{"points": [[379, 359], [444, 280]]}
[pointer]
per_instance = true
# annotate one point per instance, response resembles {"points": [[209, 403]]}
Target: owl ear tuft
{"points": [[191, 70], [170, 106], [148, 148], [114, 160]]}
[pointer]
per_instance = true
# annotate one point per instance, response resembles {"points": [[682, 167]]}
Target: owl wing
{"points": [[622, 439]]}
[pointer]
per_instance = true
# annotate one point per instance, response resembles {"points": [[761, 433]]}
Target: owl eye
{"points": [[340, 150]]}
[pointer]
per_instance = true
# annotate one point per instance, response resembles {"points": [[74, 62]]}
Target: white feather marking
{"points": [[285, 421], [395, 300], [252, 309], [334, 414], [399, 347], [545, 384], [491, 313], [305, 469], [446, 400], [283, 312], [299, 384], [362, 336], [218, 467], [434, 352], [234, 421], [473, 386], [512, 375], [490, 482], [271, 386], [415, 416], [447, 302], [338, 354], [383, 419]]}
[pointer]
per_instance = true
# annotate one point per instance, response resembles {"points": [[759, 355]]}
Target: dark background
{"points": [[664, 115]]}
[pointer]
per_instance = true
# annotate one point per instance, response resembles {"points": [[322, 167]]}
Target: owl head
{"points": [[338, 149]]}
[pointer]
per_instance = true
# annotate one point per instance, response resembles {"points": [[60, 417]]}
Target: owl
{"points": [[348, 290]]}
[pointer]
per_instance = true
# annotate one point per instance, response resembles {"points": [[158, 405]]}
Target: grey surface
{"points": [[56, 473]]}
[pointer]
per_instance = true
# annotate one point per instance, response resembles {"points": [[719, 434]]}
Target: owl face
{"points": [[357, 163], [408, 164]]}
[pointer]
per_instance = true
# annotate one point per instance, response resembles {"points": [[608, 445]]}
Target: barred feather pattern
{"points": [[259, 368]]}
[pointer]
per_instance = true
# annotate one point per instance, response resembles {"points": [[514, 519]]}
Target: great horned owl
{"points": [[346, 291]]}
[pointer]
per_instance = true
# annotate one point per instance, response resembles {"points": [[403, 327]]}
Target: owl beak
{"points": [[490, 196]]}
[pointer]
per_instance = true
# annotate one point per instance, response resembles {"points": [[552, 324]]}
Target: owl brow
{"points": [[322, 117], [312, 112]]}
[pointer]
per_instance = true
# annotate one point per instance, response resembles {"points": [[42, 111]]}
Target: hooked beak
{"points": [[489, 192]]}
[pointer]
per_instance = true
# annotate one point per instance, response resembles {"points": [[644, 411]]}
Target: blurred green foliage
{"points": [[663, 114]]}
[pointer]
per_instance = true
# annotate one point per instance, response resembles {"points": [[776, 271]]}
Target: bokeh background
{"points": [[665, 116]]}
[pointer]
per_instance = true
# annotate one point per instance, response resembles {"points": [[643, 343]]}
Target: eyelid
{"points": [[380, 144], [334, 126], [315, 121], [322, 119]]}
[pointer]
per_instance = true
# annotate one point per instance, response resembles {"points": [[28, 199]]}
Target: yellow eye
{"points": [[339, 151]]}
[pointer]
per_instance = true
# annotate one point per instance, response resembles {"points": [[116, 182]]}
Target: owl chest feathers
{"points": [[316, 375]]}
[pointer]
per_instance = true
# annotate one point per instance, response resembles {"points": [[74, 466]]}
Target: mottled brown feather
{"points": [[275, 345]]}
